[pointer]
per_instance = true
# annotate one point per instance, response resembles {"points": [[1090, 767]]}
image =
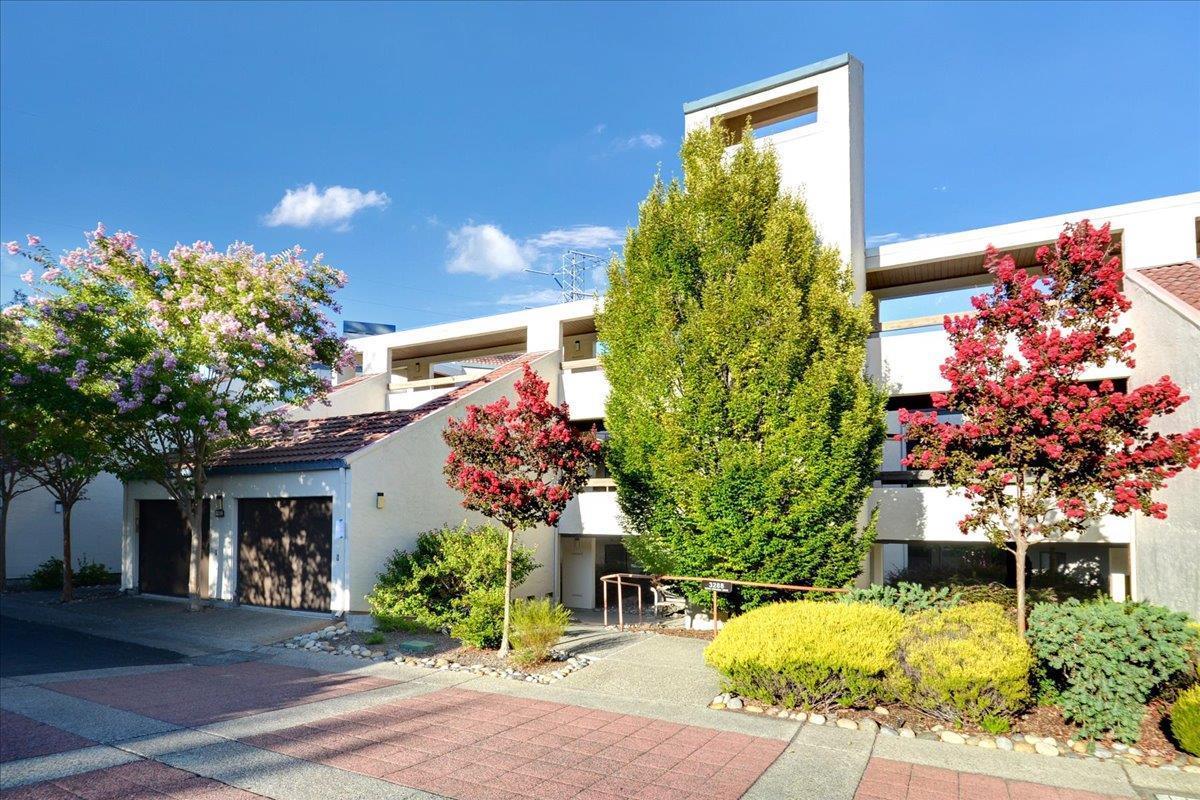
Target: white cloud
{"points": [[892, 238], [305, 206], [599, 128], [882, 238], [534, 297], [583, 236], [651, 141], [488, 251]]}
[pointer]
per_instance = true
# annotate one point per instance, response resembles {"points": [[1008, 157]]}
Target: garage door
{"points": [[163, 549], [285, 552]]}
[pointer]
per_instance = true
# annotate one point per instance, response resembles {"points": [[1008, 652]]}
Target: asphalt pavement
{"points": [[27, 648]]}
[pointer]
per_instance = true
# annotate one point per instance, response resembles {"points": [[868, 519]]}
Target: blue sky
{"points": [[472, 141]]}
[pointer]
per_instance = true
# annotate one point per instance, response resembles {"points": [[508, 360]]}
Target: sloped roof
{"points": [[352, 381], [327, 440], [494, 360], [1181, 280]]}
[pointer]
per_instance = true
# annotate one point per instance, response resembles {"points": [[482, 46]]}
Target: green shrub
{"points": [[1108, 658], [375, 638], [49, 574], [425, 588], [995, 725], [1185, 720], [481, 618], [963, 664], [537, 625], [907, 598], [816, 655]]}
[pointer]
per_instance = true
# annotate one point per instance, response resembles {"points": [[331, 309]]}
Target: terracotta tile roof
{"points": [[1181, 280], [496, 360], [351, 381], [333, 438]]}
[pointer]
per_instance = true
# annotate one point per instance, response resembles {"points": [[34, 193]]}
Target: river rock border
{"points": [[327, 639], [1016, 742]]}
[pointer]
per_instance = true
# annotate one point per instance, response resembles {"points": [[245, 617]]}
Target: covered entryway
{"points": [[163, 549], [285, 552]]}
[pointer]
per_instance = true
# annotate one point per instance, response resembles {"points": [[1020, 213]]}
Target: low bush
{"points": [[907, 598], [480, 620], [49, 574], [427, 587], [537, 625], [1108, 658], [810, 654], [1185, 720], [964, 665], [375, 638]]}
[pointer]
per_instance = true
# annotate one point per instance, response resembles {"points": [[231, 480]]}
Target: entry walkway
{"points": [[292, 725]]}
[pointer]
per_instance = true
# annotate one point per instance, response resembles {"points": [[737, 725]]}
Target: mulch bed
{"points": [[444, 647]]}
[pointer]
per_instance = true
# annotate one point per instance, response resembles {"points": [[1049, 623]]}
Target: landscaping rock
{"points": [[1004, 743], [888, 730], [868, 725], [1045, 748], [907, 733], [799, 716], [1023, 747], [734, 702], [881, 711], [848, 724], [817, 719], [987, 743], [950, 737]]}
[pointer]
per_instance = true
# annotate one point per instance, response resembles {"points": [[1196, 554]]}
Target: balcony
{"points": [[906, 356], [405, 394], [931, 513], [585, 388], [594, 511]]}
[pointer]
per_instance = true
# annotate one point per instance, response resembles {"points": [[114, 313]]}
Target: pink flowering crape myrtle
{"points": [[193, 350], [518, 463], [1042, 453]]}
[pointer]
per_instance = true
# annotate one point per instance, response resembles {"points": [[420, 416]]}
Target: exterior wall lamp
{"points": [[379, 503], [58, 506], [219, 505]]}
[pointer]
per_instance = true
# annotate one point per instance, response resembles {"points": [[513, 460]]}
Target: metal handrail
{"points": [[620, 578]]}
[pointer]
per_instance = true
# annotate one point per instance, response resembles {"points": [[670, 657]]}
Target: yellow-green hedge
{"points": [[1185, 720], [809, 654], [963, 664]]}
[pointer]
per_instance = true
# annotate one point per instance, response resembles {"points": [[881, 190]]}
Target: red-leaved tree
{"points": [[1041, 452], [518, 464]]}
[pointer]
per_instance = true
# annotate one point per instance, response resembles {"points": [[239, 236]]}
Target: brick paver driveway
{"points": [[22, 737], [201, 695], [896, 780], [467, 745]]}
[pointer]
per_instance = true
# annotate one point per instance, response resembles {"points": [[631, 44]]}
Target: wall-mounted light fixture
{"points": [[58, 506], [219, 505], [379, 499]]}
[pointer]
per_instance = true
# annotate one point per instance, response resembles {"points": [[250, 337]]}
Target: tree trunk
{"points": [[68, 588], [195, 522], [4, 543], [1022, 545], [508, 565]]}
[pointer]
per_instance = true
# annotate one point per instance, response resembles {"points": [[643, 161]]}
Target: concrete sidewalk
{"points": [[164, 623], [816, 762]]}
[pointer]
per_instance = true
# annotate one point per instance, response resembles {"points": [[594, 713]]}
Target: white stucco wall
{"points": [[362, 397], [406, 468], [1166, 553], [35, 531]]}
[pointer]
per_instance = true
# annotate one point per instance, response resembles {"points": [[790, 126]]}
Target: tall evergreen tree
{"points": [[744, 432]]}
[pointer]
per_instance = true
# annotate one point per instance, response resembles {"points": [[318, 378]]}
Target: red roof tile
{"points": [[351, 381], [1181, 280], [490, 361], [334, 438]]}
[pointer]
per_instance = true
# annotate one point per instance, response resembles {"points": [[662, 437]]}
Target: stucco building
{"points": [[308, 523]]}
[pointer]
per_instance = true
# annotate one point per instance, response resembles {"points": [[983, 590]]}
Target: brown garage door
{"points": [[163, 549], [285, 552]]}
